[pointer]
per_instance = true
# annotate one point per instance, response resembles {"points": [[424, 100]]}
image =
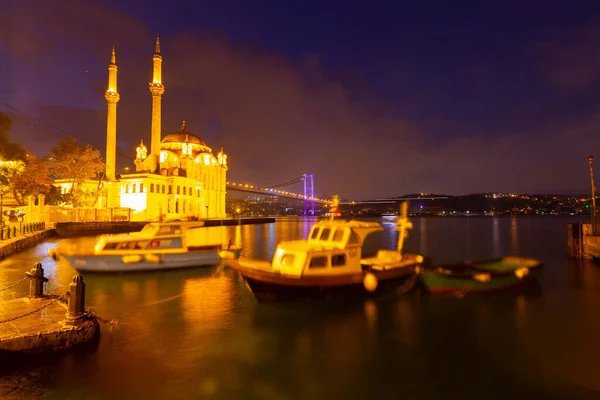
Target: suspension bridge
{"points": [[300, 188]]}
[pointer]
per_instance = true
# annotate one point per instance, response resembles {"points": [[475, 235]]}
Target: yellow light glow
{"points": [[135, 201]]}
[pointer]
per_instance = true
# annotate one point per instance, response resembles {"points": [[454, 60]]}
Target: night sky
{"points": [[375, 98]]}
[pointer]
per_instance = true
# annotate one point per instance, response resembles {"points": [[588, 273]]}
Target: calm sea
{"points": [[199, 333]]}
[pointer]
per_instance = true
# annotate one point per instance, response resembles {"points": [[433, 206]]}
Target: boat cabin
{"points": [[332, 248], [158, 237]]}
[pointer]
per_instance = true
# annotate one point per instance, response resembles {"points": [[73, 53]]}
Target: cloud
{"points": [[277, 119], [570, 60]]}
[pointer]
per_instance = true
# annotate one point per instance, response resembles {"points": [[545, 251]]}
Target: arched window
{"points": [[127, 188], [170, 189], [152, 188], [178, 189], [141, 188], [184, 190]]}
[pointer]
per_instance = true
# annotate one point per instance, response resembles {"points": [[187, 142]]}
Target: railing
{"points": [[13, 231]]}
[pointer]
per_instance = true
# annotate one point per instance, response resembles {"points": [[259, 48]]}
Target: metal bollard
{"points": [[76, 308], [36, 280]]}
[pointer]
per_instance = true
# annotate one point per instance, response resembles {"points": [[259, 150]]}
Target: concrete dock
{"points": [[582, 242], [40, 326], [46, 323]]}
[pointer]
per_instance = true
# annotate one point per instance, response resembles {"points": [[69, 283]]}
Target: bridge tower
{"points": [[309, 192]]}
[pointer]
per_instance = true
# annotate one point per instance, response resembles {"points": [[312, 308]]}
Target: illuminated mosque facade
{"points": [[179, 176]]}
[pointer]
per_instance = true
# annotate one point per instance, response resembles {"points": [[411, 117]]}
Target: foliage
{"points": [[75, 163], [80, 198], [54, 197], [7, 170], [9, 151], [34, 180]]}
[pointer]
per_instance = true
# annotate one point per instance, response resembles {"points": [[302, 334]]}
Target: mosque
{"points": [[179, 177]]}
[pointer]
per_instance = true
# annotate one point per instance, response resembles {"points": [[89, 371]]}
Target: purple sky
{"points": [[374, 98]]}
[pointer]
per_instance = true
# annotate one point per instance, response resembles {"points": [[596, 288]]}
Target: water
{"points": [[190, 335]]}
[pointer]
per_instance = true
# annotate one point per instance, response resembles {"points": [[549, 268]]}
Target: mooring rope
{"points": [[406, 286]]}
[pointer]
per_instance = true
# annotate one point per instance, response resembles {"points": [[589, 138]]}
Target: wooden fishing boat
{"points": [[329, 264], [158, 246], [483, 276]]}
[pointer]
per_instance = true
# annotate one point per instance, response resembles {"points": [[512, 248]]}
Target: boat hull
{"points": [[437, 283], [272, 287], [115, 263]]}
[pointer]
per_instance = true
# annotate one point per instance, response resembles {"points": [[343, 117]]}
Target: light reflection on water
{"points": [[198, 333]]}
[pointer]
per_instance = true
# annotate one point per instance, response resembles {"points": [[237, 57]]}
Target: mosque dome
{"points": [[181, 136]]}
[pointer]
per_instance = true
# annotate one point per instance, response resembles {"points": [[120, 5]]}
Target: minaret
{"points": [[112, 98], [157, 89]]}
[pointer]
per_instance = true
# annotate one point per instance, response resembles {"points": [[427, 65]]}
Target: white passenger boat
{"points": [[329, 264], [158, 246]]}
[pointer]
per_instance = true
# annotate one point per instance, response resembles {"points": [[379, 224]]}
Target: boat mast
{"points": [[334, 207], [402, 225]]}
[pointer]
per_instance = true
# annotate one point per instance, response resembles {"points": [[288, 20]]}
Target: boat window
{"points": [[148, 229], [338, 260], [338, 235], [325, 234], [315, 233], [354, 239], [169, 229], [110, 246], [131, 245], [287, 260], [318, 262], [167, 243]]}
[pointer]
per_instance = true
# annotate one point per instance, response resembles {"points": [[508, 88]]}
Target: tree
{"points": [[77, 164], [9, 151], [8, 168], [70, 161], [54, 197], [34, 180]]}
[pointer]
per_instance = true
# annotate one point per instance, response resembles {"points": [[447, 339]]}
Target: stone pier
{"points": [[43, 323], [581, 243]]}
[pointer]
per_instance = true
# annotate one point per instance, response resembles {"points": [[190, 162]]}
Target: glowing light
{"points": [[141, 151]]}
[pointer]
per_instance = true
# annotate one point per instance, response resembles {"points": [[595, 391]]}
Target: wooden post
{"points": [[76, 308], [36, 280], [575, 240]]}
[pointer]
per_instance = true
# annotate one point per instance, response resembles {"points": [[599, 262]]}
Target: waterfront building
{"points": [[179, 177]]}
